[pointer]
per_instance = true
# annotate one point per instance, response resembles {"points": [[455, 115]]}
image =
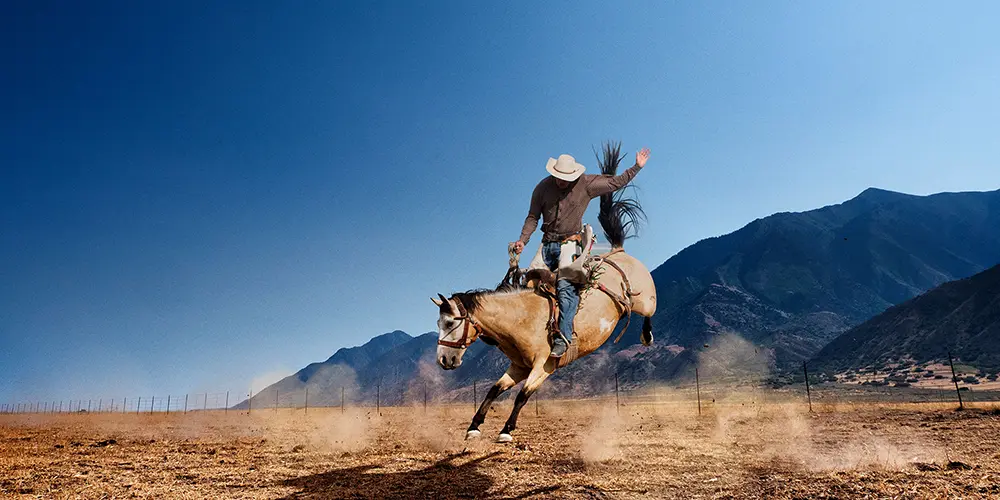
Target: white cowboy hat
{"points": [[565, 168]]}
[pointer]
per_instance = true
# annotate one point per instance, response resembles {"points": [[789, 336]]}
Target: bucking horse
{"points": [[519, 320]]}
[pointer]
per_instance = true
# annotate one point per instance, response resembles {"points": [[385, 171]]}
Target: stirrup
{"points": [[569, 345]]}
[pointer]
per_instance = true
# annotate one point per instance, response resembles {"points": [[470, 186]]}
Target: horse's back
{"points": [[639, 278]]}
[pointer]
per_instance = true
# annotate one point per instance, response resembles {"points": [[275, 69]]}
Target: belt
{"points": [[577, 237]]}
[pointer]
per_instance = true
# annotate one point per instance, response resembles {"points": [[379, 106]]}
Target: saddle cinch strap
{"points": [[624, 301]]}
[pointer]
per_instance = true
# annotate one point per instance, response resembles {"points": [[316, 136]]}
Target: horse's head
{"points": [[456, 331]]}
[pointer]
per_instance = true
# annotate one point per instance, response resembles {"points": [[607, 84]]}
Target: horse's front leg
{"points": [[535, 378], [509, 379]]}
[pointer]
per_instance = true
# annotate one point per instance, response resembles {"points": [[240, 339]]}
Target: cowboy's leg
{"points": [[550, 254], [512, 377], [569, 301], [531, 384]]}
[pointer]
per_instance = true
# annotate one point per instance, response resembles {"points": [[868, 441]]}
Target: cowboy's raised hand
{"points": [[641, 157]]}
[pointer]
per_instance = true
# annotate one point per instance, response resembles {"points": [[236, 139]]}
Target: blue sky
{"points": [[196, 196]]}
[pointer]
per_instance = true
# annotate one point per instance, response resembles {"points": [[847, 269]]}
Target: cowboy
{"points": [[561, 200]]}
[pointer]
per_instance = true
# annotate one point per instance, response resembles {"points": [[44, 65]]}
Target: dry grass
{"points": [[737, 448]]}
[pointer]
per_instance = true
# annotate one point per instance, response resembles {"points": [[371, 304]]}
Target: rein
{"points": [[466, 339]]}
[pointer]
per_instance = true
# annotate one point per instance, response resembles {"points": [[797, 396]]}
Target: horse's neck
{"points": [[496, 311]]}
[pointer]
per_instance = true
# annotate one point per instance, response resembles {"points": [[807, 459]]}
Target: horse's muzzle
{"points": [[449, 362]]}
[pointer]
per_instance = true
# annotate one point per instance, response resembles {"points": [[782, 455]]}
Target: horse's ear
{"points": [[436, 301], [444, 304]]}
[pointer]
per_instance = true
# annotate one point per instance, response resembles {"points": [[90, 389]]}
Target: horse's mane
{"points": [[620, 215], [473, 299]]}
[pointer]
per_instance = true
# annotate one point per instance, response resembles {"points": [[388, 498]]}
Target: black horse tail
{"points": [[620, 215]]}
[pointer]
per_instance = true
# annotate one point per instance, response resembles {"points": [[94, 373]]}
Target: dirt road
{"points": [[569, 450]]}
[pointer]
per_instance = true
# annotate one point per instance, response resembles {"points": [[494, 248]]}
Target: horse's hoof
{"points": [[504, 438], [472, 434]]}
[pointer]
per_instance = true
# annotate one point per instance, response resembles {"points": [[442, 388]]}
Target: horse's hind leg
{"points": [[509, 379], [534, 381], [647, 331]]}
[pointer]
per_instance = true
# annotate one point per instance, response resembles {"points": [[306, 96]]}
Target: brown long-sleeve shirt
{"points": [[562, 209]]}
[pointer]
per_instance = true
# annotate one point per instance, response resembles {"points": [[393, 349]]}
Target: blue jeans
{"points": [[569, 298]]}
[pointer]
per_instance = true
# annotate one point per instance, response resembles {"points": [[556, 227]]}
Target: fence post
{"points": [[275, 400], [697, 388], [808, 394], [307, 399], [378, 397], [341, 399], [152, 403], [185, 404], [205, 406], [425, 398], [954, 378], [124, 404], [617, 400], [226, 411], [138, 405], [250, 402]]}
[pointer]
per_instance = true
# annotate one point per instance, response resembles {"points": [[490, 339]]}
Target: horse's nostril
{"points": [[453, 360], [443, 362]]}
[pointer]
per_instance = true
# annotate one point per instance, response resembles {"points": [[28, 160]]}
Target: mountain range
{"points": [[960, 318], [794, 281], [789, 283]]}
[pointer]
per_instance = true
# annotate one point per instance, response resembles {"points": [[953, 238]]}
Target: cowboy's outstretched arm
{"points": [[531, 221], [604, 184]]}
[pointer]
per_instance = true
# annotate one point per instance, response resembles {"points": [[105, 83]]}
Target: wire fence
{"points": [[694, 394]]}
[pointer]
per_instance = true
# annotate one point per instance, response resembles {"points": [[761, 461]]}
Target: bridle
{"points": [[466, 339]]}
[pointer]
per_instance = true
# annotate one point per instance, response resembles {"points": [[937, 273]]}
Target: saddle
{"points": [[581, 271]]}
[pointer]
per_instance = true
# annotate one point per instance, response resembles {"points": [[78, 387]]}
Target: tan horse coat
{"points": [[517, 321]]}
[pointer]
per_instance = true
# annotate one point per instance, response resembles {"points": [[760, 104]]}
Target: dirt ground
{"points": [[737, 448]]}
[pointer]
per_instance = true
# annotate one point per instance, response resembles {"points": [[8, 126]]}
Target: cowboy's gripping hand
{"points": [[516, 246], [641, 157]]}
